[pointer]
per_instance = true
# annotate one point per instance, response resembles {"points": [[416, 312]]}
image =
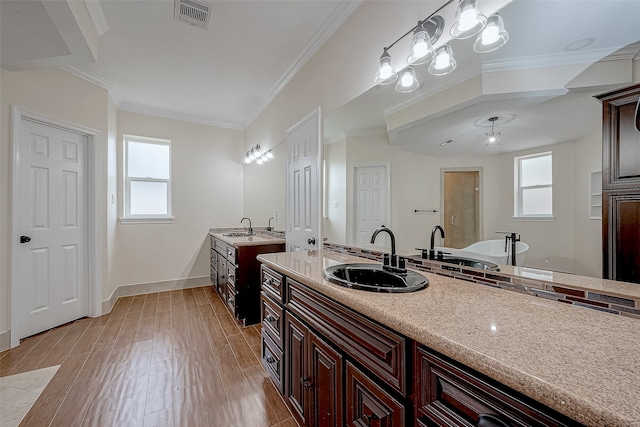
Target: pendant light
{"points": [[469, 20], [421, 50], [493, 37], [443, 63], [492, 139], [407, 81], [386, 74]]}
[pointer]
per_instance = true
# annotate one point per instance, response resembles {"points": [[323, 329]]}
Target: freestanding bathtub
{"points": [[492, 251]]}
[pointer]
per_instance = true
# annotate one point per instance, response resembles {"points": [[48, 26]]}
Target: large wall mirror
{"points": [[427, 148]]}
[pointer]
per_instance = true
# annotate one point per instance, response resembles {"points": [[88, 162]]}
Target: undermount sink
{"points": [[238, 234], [372, 277]]}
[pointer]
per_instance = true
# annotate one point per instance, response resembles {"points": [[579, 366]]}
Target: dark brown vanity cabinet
{"points": [[235, 275], [453, 395], [339, 368], [621, 185]]}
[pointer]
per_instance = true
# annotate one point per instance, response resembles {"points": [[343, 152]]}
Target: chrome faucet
{"points": [[432, 252], [269, 228], [393, 262], [250, 228]]}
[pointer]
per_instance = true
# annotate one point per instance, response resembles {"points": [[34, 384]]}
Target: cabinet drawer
{"points": [[447, 394], [273, 362], [221, 248], [272, 319], [231, 254], [368, 404], [231, 297], [381, 350], [272, 284], [231, 273]]}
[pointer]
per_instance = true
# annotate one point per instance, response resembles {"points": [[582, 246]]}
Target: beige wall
{"points": [[61, 96], [207, 187]]}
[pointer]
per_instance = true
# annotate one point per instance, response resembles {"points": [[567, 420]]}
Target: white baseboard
{"points": [[148, 288], [5, 340]]}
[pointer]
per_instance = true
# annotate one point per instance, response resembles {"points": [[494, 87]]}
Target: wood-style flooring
{"points": [[174, 358]]}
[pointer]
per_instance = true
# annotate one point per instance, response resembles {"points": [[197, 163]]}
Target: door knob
{"points": [[25, 239], [311, 241]]}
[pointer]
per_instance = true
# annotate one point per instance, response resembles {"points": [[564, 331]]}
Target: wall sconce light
{"points": [[256, 155], [469, 22], [492, 139]]}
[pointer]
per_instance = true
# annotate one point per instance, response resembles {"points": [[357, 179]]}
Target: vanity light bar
{"points": [[256, 155]]}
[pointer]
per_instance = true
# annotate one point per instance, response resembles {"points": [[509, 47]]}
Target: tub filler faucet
{"points": [[514, 238]]}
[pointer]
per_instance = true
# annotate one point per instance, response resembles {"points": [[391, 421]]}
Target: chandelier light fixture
{"points": [[492, 139], [256, 155], [469, 21]]}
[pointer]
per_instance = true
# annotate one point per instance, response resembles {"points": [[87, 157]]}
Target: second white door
{"points": [[371, 204]]}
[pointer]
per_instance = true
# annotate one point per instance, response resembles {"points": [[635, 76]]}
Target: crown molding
{"points": [[560, 59], [331, 24], [167, 114], [97, 16], [89, 76], [454, 80]]}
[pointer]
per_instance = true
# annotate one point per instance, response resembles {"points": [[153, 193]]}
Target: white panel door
{"points": [[50, 277], [303, 227], [371, 204]]}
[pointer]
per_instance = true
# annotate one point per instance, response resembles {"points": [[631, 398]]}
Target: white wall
{"points": [[207, 186], [264, 189], [335, 220], [59, 95]]}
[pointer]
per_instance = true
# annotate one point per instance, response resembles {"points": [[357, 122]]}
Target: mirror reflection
{"points": [[415, 161]]}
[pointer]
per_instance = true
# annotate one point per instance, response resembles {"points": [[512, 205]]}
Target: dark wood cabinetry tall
{"points": [[621, 185]]}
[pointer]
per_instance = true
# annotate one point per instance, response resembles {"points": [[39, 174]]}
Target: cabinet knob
{"points": [[488, 420], [269, 318], [268, 282], [270, 359], [306, 383]]}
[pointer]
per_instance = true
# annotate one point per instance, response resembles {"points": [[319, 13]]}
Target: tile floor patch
{"points": [[19, 392]]}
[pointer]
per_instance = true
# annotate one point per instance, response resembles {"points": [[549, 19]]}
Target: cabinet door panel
{"points": [[369, 405], [625, 236], [326, 384], [296, 368]]}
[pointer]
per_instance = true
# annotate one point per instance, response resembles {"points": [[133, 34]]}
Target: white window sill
{"points": [[533, 218], [164, 220]]}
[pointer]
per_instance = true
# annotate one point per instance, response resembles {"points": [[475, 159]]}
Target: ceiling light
{"points": [[443, 63], [469, 20], [493, 37], [407, 81], [421, 48], [492, 139], [386, 74]]}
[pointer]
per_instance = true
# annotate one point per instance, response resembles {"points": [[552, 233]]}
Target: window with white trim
{"points": [[147, 178], [533, 190]]}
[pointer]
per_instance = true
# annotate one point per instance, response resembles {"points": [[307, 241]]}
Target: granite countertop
{"points": [[581, 362], [255, 240]]}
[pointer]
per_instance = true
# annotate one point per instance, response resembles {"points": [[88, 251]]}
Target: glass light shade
{"points": [[252, 154], [269, 155], [421, 48], [493, 37], [247, 159], [443, 63], [264, 158], [492, 139], [469, 20], [407, 81], [259, 160], [386, 74]]}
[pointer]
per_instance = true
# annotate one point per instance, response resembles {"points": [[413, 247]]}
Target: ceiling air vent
{"points": [[196, 13]]}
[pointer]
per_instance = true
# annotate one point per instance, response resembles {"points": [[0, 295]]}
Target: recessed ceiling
{"points": [[223, 76]]}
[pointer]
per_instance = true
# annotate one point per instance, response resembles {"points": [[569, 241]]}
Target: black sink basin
{"points": [[371, 277], [465, 262]]}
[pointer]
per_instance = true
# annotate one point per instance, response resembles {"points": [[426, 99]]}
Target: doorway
{"points": [[371, 203], [53, 274], [461, 207]]}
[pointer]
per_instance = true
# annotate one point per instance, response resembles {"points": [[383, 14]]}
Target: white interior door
{"points": [[303, 225], [50, 285], [371, 204]]}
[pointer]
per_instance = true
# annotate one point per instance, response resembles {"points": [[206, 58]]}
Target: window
{"points": [[533, 186], [147, 179]]}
